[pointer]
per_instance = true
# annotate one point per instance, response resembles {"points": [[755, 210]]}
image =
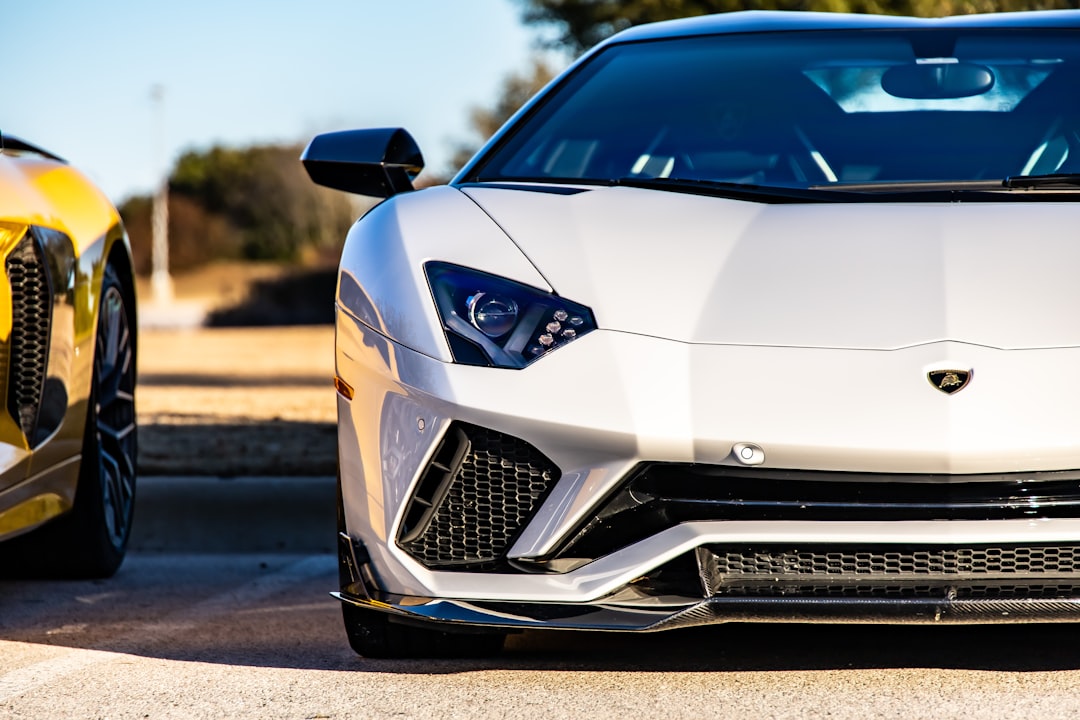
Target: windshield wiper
{"points": [[734, 191], [958, 188], [933, 186], [1064, 180], [910, 186]]}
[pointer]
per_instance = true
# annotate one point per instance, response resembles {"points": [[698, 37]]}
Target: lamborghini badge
{"points": [[949, 381]]}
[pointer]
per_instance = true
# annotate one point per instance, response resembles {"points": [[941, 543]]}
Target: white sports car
{"points": [[759, 316]]}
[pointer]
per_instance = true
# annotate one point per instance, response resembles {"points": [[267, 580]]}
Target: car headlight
{"points": [[494, 321]]}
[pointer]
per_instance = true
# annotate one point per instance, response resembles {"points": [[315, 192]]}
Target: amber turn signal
{"points": [[344, 389]]}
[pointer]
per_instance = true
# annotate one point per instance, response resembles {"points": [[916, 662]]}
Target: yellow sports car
{"points": [[67, 370]]}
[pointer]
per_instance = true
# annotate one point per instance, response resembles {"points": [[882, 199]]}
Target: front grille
{"points": [[473, 498], [900, 592], [995, 572], [737, 493], [31, 298], [656, 496]]}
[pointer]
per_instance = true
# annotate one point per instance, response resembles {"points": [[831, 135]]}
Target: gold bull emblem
{"points": [[949, 381]]}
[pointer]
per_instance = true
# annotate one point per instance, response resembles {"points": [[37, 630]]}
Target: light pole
{"points": [[160, 281]]}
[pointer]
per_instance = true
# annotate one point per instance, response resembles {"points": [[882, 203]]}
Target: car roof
{"points": [[755, 21]]}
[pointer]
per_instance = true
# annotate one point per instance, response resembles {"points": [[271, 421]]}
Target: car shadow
{"points": [[197, 446], [298, 298], [300, 628], [224, 380]]}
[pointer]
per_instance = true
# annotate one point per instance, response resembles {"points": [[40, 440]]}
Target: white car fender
{"points": [[381, 281]]}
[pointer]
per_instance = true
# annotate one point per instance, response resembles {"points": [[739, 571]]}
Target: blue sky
{"points": [[80, 74]]}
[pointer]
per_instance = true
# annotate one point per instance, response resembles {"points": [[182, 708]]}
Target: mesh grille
{"points": [[992, 572], [31, 315], [905, 591], [951, 561], [494, 490]]}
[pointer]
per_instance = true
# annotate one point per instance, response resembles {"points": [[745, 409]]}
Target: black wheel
{"points": [[376, 634], [91, 540], [107, 482]]}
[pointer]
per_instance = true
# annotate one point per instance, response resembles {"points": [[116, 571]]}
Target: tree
{"points": [[264, 193], [254, 203], [580, 24]]}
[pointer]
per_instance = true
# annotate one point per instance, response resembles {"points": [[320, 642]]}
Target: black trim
{"points": [[657, 496], [527, 187], [433, 485], [931, 192]]}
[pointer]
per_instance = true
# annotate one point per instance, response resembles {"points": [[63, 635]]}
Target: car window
{"points": [[799, 109]]}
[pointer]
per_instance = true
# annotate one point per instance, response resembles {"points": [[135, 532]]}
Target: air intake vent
{"points": [[1044, 571], [31, 299], [476, 494]]}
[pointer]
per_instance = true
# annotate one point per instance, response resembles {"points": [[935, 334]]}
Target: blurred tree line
{"points": [[255, 203], [580, 24]]}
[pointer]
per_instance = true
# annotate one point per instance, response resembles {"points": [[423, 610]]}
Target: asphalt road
{"points": [[221, 611]]}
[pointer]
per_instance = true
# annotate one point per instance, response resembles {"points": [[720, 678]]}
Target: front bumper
{"points": [[953, 585], [611, 402]]}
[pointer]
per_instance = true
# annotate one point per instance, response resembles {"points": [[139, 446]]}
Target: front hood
{"points": [[873, 276]]}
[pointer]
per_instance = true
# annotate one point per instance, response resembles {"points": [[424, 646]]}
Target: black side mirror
{"points": [[380, 162]]}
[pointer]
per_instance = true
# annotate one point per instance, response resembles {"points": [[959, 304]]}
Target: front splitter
{"points": [[647, 616]]}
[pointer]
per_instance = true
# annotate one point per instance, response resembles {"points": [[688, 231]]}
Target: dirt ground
{"points": [[217, 285], [246, 401]]}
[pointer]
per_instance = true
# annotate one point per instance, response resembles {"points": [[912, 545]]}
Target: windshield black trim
{"points": [[914, 186], [734, 191], [528, 186], [1037, 182], [773, 195], [931, 192]]}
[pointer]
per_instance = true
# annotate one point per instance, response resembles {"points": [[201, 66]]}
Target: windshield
{"points": [[808, 109]]}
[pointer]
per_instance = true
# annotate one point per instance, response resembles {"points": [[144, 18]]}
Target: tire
{"points": [[375, 634], [91, 540]]}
